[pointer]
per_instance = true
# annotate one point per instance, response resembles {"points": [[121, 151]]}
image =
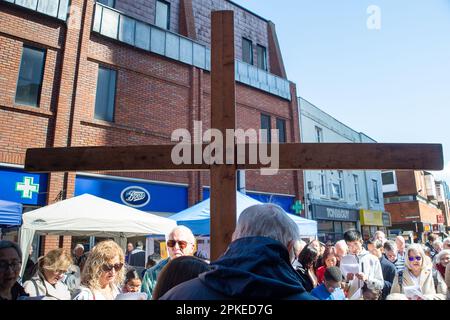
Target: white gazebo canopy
{"points": [[88, 215]]}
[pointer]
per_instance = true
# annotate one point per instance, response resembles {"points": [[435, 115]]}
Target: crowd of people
{"points": [[265, 260]]}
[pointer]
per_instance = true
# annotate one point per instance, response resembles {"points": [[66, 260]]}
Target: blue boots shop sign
{"points": [[135, 196]]}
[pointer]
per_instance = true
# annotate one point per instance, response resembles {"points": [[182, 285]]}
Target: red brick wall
{"points": [[412, 211], [154, 96]]}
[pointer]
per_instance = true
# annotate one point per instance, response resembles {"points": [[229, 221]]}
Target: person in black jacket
{"points": [[256, 265], [389, 270], [305, 269], [10, 264]]}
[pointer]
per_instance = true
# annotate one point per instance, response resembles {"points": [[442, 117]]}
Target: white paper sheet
{"points": [[412, 292], [349, 268], [357, 295], [132, 296]]}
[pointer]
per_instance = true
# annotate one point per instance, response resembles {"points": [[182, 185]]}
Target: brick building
{"points": [[412, 200], [129, 73]]}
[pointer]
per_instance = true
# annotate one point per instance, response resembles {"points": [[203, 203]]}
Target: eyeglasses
{"points": [[418, 258], [109, 267], [172, 243], [15, 266]]}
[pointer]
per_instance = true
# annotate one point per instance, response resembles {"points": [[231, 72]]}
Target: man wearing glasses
{"points": [[181, 242]]}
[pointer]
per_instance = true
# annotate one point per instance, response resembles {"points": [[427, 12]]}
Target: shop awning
{"points": [[10, 213]]}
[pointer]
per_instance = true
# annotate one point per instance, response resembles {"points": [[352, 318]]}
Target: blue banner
{"points": [[22, 187], [140, 195]]}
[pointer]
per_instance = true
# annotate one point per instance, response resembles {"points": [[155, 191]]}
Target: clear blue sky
{"points": [[393, 84]]}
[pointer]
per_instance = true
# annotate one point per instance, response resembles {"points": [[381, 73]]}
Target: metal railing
{"points": [[114, 24], [55, 8]]}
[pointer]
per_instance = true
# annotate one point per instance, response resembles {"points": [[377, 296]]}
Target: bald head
{"points": [[341, 248], [400, 242]]}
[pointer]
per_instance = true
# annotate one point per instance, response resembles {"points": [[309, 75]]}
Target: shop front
{"points": [[373, 221], [333, 221], [420, 229], [160, 198]]}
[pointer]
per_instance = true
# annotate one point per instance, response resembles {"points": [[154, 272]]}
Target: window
{"points": [[109, 3], [335, 191], [387, 177], [389, 181], [375, 191], [106, 94], [341, 183], [281, 126], [265, 124], [31, 73], [356, 186], [319, 134], [162, 16], [322, 183], [262, 57], [247, 51]]}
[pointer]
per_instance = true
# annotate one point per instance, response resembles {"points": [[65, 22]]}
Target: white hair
{"points": [[419, 249], [437, 243], [441, 254], [78, 246], [341, 243], [188, 233], [446, 241], [266, 220]]}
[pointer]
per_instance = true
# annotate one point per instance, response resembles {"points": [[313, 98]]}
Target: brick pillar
{"points": [[74, 53], [295, 137], [276, 63], [187, 20]]}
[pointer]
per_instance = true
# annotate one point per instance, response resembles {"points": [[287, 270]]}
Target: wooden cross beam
{"points": [[292, 156]]}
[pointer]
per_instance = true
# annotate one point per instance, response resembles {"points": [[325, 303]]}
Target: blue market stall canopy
{"points": [[197, 218], [10, 213]]}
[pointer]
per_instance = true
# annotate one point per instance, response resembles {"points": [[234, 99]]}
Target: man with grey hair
{"points": [[298, 247], [446, 243], [341, 249], [180, 242], [256, 265]]}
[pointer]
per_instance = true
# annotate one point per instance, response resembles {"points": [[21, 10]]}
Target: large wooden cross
{"points": [[292, 156]]}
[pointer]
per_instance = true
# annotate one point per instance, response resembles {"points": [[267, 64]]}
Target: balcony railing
{"points": [[116, 25], [54, 8]]}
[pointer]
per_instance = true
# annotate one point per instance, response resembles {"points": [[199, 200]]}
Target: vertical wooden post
{"points": [[223, 176]]}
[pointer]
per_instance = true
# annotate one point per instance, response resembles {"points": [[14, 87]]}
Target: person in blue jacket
{"points": [[256, 265], [330, 289]]}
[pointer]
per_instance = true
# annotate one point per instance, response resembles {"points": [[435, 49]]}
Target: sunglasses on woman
{"points": [[172, 243], [108, 267], [418, 258]]}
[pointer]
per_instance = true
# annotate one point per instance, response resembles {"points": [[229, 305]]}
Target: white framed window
{"points": [[335, 190], [356, 187], [162, 15], [389, 181], [341, 184], [322, 183], [376, 195], [319, 134]]}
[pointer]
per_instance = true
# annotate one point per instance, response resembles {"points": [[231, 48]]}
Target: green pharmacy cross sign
{"points": [[27, 187], [297, 207]]}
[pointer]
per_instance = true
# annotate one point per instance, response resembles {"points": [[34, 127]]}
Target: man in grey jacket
{"points": [[370, 271]]}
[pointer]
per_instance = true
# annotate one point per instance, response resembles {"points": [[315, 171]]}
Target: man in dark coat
{"points": [[387, 267], [256, 265]]}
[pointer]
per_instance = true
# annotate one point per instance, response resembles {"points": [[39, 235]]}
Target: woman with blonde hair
{"points": [[103, 272], [47, 281], [417, 273]]}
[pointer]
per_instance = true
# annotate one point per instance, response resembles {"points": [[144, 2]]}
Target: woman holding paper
{"points": [[103, 273], [416, 281]]}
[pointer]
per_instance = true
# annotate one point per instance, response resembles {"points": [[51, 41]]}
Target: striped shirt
{"points": [[400, 262]]}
